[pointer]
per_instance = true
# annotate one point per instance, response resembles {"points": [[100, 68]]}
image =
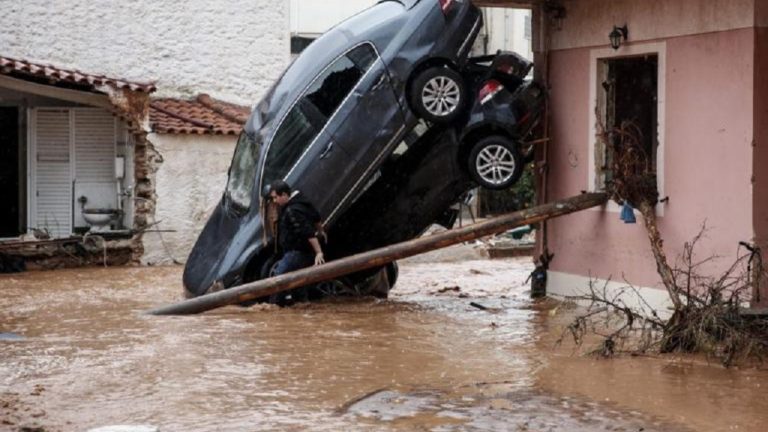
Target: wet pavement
{"points": [[76, 353]]}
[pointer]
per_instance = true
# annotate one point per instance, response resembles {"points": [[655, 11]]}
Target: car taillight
{"points": [[489, 90], [445, 5]]}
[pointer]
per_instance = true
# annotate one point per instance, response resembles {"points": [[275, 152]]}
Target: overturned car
{"points": [[383, 116]]}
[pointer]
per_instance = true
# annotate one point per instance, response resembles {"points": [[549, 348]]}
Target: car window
{"points": [[363, 56], [242, 173], [296, 133], [312, 111], [338, 80]]}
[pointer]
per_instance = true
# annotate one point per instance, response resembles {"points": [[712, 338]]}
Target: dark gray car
{"points": [[332, 119]]}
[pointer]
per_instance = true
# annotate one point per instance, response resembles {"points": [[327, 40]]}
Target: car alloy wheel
{"points": [[438, 94], [441, 96], [495, 163]]}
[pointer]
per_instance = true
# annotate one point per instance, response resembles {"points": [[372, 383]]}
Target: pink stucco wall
{"points": [[707, 151], [588, 22]]}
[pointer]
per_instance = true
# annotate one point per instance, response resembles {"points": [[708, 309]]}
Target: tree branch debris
{"points": [[706, 315]]}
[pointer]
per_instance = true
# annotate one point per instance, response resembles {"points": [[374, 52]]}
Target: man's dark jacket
{"points": [[296, 225]]}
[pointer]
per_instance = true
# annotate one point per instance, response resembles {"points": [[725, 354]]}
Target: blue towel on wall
{"points": [[628, 214]]}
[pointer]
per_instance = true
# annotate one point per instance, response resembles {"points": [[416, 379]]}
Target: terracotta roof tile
{"points": [[202, 115], [54, 75]]}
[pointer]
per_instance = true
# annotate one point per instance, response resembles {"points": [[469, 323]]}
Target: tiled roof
{"points": [[50, 74], [202, 115]]}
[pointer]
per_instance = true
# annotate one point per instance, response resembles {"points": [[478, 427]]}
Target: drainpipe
{"points": [[540, 43]]}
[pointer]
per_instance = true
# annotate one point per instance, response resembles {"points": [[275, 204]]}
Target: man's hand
{"points": [[319, 258]]}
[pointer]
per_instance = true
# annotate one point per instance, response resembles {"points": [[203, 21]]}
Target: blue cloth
{"points": [[293, 260], [628, 214]]}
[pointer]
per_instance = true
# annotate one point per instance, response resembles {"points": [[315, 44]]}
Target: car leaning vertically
{"points": [[331, 119]]}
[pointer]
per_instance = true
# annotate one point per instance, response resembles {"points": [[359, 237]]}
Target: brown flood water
{"points": [[82, 356]]}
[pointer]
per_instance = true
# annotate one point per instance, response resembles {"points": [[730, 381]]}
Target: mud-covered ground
{"points": [[76, 353]]}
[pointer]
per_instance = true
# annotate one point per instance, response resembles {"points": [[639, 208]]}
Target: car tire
{"points": [[495, 163], [338, 287], [260, 271], [393, 271], [268, 270], [438, 94]]}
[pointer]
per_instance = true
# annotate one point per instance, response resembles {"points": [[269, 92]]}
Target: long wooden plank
{"points": [[382, 256]]}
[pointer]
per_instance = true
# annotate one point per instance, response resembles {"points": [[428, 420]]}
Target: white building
{"points": [[79, 141], [505, 28], [311, 18]]}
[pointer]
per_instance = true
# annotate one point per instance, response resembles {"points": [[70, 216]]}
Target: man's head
{"points": [[279, 192]]}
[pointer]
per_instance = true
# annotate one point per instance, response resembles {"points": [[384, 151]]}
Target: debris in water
{"points": [[126, 428], [449, 289]]}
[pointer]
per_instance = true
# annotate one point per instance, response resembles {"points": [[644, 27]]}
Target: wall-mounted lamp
{"points": [[617, 35]]}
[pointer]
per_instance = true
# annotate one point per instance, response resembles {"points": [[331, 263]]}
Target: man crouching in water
{"points": [[298, 229]]}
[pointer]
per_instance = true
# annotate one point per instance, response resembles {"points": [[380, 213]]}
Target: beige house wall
{"points": [[190, 181]]}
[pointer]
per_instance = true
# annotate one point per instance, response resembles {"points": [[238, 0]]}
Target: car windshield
{"points": [[242, 172]]}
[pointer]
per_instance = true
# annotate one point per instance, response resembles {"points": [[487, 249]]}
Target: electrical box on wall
{"points": [[119, 167]]}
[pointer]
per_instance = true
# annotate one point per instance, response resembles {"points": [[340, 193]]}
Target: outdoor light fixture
{"points": [[617, 35]]}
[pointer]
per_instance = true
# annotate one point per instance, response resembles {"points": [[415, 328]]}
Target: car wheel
{"points": [[438, 94], [268, 270], [495, 163], [392, 273], [333, 288], [261, 271]]}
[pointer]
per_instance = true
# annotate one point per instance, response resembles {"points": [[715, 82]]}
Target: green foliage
{"points": [[520, 196]]}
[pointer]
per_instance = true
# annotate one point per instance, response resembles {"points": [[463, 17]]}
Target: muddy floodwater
{"points": [[76, 353]]}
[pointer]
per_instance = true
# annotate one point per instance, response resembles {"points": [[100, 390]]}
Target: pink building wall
{"points": [[710, 121]]}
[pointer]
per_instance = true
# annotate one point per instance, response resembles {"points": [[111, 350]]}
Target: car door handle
{"points": [[327, 150], [380, 81]]}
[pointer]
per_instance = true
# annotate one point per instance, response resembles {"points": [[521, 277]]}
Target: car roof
{"points": [[360, 28], [407, 3]]}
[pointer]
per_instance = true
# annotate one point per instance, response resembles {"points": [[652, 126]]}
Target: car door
{"points": [[370, 121], [305, 155]]}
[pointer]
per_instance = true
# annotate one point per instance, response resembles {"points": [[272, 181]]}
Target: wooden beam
{"points": [[382, 256], [82, 97], [519, 4]]}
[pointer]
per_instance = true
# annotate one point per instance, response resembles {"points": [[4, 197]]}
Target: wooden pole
{"points": [[380, 257]]}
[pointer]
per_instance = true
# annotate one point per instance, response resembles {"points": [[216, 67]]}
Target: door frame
{"points": [[20, 121]]}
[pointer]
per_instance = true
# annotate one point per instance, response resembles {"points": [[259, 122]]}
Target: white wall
{"points": [[232, 50], [505, 30], [315, 17], [187, 191]]}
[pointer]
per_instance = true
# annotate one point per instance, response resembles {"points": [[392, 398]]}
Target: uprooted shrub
{"points": [[707, 316]]}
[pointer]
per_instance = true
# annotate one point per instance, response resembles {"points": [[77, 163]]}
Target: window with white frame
{"points": [[627, 85]]}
